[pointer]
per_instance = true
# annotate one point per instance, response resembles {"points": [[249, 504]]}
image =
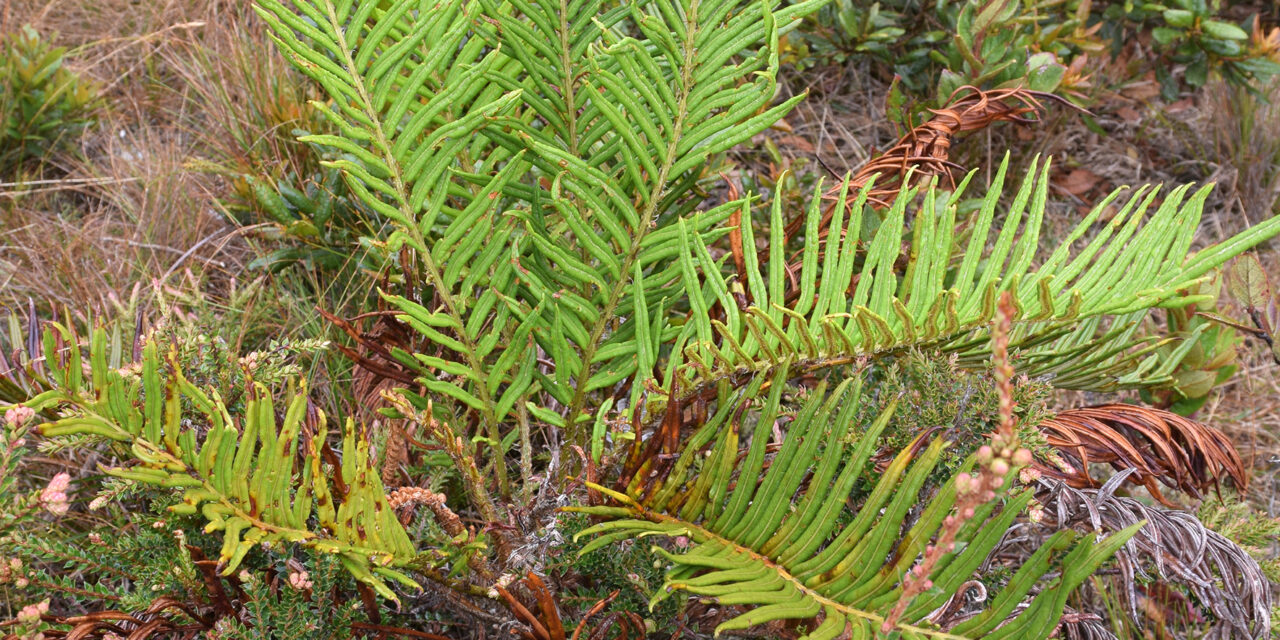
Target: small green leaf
{"points": [[1180, 18], [1223, 30], [948, 82], [1165, 35], [1198, 72], [1046, 78]]}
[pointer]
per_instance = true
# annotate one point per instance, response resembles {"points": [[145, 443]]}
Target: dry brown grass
{"points": [[127, 205]]}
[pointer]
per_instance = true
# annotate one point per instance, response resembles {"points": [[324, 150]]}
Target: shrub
{"points": [[933, 49], [42, 103]]}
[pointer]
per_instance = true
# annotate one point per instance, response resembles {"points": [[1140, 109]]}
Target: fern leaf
{"points": [[240, 475], [1077, 314], [780, 547], [632, 101]]}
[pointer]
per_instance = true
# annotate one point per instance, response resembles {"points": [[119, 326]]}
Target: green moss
{"points": [[629, 567], [1239, 522]]}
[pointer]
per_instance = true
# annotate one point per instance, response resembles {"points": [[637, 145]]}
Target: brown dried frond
{"points": [[396, 455], [625, 621], [376, 372], [1157, 445], [1216, 571], [546, 624], [385, 631], [160, 620], [374, 347], [925, 151]]}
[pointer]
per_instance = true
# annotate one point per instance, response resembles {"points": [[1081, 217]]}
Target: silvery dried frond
{"points": [[1084, 626], [1221, 575]]}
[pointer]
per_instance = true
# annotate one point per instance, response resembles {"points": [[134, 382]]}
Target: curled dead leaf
{"points": [[1158, 446]]}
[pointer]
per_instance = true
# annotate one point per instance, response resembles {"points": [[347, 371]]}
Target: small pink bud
{"points": [[31, 613], [985, 453], [54, 498], [1000, 467], [1022, 457], [59, 482], [18, 415], [300, 580]]}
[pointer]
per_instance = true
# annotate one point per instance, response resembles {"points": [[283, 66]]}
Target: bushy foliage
{"points": [[960, 405], [1252, 529], [42, 103], [933, 49]]}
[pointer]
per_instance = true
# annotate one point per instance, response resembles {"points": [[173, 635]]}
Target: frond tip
{"points": [[788, 547]]}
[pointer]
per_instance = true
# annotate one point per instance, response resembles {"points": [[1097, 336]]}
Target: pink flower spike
{"points": [[18, 415], [54, 498], [300, 580]]}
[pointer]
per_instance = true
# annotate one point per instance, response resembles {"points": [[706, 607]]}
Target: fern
{"points": [[577, 135], [602, 118], [240, 475], [1132, 263], [781, 545], [541, 168]]}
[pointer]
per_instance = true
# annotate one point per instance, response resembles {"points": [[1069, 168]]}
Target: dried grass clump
{"points": [[128, 206]]}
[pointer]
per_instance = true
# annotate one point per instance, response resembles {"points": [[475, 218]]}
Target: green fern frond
{"points": [[592, 122], [240, 475], [409, 90], [1077, 313], [631, 101], [781, 547]]}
